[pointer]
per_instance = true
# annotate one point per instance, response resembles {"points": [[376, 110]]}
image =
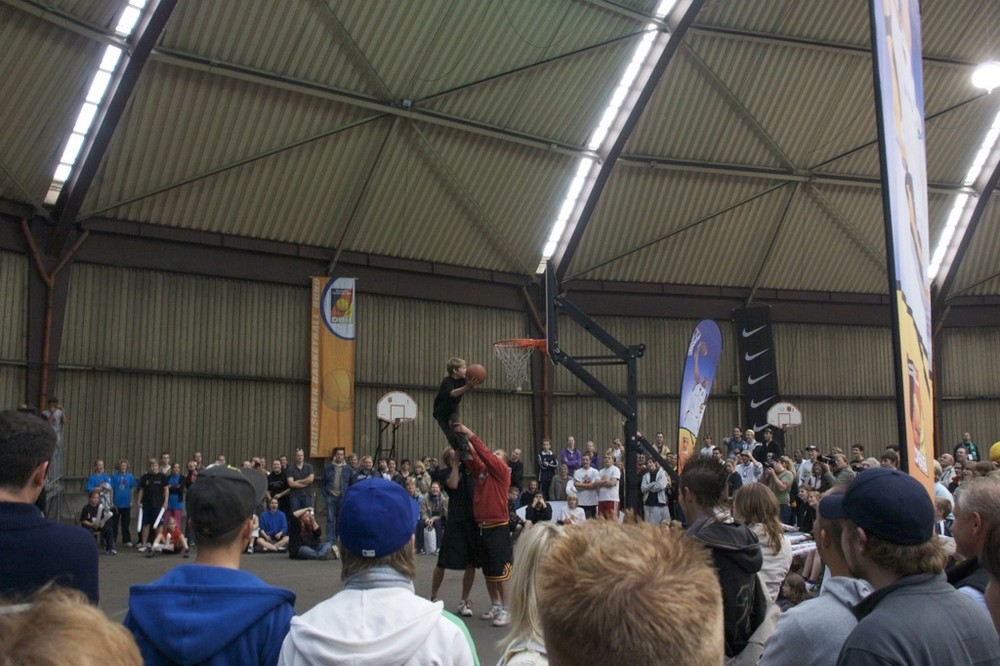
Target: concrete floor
{"points": [[312, 583]]}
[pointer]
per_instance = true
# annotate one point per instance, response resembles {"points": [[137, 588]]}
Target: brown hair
{"points": [[927, 557], [402, 561], [796, 588], [660, 582], [74, 632], [755, 504]]}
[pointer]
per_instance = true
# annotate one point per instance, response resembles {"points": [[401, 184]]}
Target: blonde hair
{"points": [[525, 623], [755, 504], [649, 583], [454, 363], [74, 632]]}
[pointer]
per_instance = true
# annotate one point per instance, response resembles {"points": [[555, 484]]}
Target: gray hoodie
{"points": [[814, 631]]}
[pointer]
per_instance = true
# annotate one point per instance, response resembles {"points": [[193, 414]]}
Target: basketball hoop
{"points": [[515, 354]]}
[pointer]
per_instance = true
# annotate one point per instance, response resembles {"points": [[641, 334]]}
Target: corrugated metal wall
{"points": [[969, 366], [154, 361], [13, 327]]}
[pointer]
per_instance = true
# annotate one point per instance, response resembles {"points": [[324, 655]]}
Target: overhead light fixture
{"points": [[618, 108], [987, 76], [96, 97]]}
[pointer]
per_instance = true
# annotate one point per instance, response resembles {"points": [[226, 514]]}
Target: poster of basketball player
{"points": [[896, 46], [702, 357]]}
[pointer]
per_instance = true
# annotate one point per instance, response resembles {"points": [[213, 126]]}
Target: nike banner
{"points": [[702, 358], [758, 368]]}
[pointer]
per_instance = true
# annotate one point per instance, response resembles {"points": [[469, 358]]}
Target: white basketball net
{"points": [[515, 356]]}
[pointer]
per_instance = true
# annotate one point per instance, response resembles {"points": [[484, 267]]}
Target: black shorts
{"points": [[458, 545], [149, 515], [495, 551]]}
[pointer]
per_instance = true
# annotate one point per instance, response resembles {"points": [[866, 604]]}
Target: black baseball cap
{"points": [[223, 497], [887, 504]]}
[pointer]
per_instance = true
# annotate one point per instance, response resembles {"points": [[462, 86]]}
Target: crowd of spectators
{"points": [[835, 557]]}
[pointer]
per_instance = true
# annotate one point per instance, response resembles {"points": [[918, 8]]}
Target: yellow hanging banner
{"points": [[331, 411]]}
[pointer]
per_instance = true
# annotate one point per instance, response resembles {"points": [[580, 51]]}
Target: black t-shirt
{"points": [[276, 483], [88, 514], [152, 486], [444, 404], [459, 499]]}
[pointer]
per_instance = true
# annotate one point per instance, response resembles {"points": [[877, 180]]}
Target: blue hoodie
{"points": [[198, 614]]}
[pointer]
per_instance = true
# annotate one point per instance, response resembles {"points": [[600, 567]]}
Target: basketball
{"points": [[338, 391], [477, 372]]}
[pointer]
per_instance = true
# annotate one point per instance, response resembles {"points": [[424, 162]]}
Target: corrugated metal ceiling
{"points": [[284, 120]]}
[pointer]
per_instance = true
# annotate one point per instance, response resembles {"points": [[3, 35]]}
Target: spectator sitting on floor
{"points": [[272, 534], [98, 521], [169, 539], [571, 514], [538, 511], [793, 591], [305, 537]]}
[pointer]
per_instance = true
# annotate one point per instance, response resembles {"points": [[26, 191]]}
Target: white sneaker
{"points": [[491, 614], [465, 608], [142, 548], [502, 618]]}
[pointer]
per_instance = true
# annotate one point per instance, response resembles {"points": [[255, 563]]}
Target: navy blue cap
{"points": [[887, 504], [377, 518]]}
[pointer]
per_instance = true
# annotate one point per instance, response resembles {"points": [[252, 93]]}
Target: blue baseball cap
{"points": [[377, 518], [887, 504]]}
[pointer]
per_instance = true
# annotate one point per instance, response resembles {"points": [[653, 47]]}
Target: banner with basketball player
{"points": [[899, 95], [331, 413], [702, 358]]}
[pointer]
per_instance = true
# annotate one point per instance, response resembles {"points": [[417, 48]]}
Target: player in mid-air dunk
{"points": [[449, 395]]}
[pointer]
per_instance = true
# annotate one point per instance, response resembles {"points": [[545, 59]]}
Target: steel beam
{"points": [[75, 189], [679, 22]]}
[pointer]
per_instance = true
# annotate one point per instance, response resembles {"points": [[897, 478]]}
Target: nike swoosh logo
{"points": [[754, 404], [753, 380], [749, 357], [758, 428], [747, 334]]}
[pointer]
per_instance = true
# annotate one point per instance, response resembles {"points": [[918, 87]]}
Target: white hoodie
{"points": [[377, 619]]}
